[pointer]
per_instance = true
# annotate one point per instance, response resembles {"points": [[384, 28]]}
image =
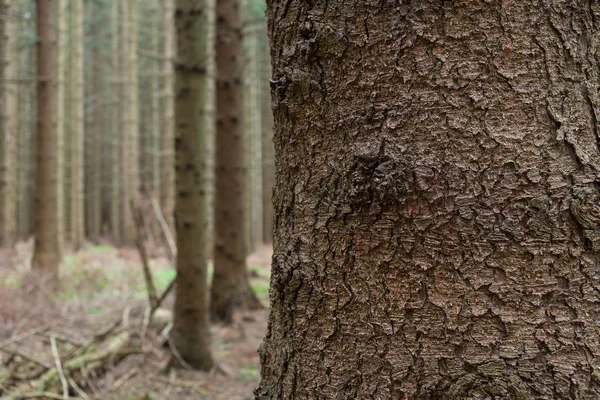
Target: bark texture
{"points": [[190, 334], [46, 255], [437, 200], [230, 286]]}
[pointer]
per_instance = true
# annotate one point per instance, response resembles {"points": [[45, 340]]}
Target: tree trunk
{"points": [[191, 333], [168, 160], [130, 144], [32, 122], [46, 255], [210, 124], [8, 126], [116, 122], [253, 138], [268, 167], [94, 170], [155, 128], [61, 125], [436, 201], [24, 147], [76, 128], [230, 286]]}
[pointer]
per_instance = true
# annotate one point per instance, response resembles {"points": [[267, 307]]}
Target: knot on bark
{"points": [[585, 208], [483, 386], [378, 179]]}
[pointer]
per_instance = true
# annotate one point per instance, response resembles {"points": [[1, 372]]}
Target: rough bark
{"points": [[436, 200], [168, 159], [230, 285], [46, 255], [76, 128], [190, 334]]}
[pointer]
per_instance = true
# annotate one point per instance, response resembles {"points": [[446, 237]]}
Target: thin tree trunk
{"points": [[436, 201], [24, 142], [209, 123], [253, 142], [155, 127], [8, 128], [268, 166], [32, 172], [116, 121], [4, 54], [190, 334], [62, 7], [46, 255], [168, 159], [130, 145], [76, 128], [230, 286], [93, 192]]}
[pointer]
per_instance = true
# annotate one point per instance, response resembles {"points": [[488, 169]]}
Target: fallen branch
{"points": [[15, 352], [165, 229], [48, 395], [23, 336], [139, 223], [57, 362], [95, 358]]}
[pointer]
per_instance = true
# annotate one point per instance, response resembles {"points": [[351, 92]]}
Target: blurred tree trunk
{"points": [[155, 87], [4, 115], [191, 333], [253, 138], [117, 129], [130, 145], [46, 255], [24, 140], [61, 125], [93, 165], [9, 117], [32, 121], [168, 161], [230, 286], [436, 201], [210, 124], [268, 166], [76, 128]]}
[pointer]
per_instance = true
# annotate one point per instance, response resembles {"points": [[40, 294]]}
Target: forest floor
{"points": [[100, 287]]}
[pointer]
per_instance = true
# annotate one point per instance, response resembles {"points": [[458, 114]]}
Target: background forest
{"points": [[98, 324]]}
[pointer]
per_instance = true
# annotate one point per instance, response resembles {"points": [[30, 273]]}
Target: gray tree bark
{"points": [[437, 200], [191, 330], [46, 256]]}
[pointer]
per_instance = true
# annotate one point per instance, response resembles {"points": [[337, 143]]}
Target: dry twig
{"points": [[59, 369]]}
